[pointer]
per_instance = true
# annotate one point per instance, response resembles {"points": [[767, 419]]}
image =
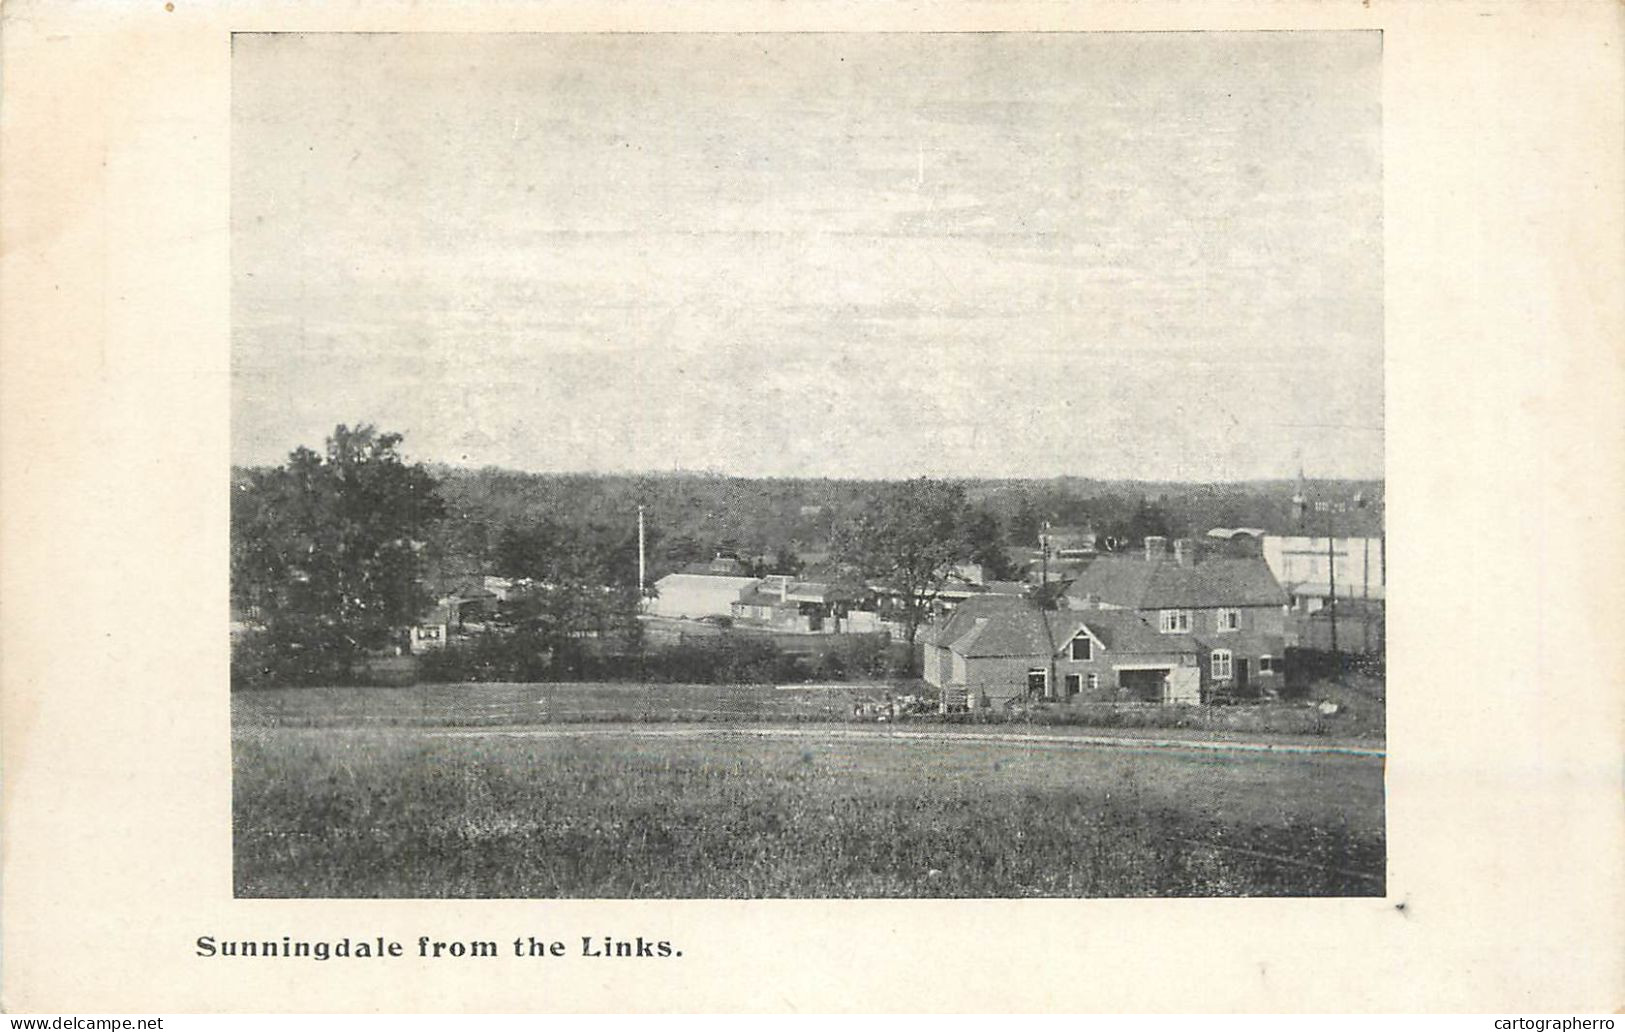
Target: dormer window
{"points": [[1083, 647], [1176, 621]]}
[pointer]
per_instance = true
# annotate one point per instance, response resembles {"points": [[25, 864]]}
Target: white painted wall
{"points": [[1300, 564], [694, 595]]}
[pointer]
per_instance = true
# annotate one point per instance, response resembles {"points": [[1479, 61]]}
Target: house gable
{"points": [[1083, 646]]}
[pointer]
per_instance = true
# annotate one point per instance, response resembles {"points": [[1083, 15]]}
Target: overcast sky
{"points": [[1119, 255]]}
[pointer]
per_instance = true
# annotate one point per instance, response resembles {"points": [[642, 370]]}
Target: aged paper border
{"points": [[1505, 251]]}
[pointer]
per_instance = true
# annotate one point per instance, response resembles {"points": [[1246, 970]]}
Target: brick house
{"points": [[1233, 606], [997, 649]]}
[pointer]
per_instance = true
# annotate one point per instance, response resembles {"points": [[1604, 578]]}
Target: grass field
{"points": [[1361, 715], [505, 705], [341, 795]]}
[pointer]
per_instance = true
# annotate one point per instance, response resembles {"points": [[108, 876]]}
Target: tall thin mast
{"points": [[640, 552], [1043, 551]]}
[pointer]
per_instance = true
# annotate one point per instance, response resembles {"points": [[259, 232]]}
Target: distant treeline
{"points": [[691, 515], [339, 552]]}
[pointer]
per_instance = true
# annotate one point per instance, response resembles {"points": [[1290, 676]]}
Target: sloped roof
{"points": [[758, 597], [998, 625], [821, 591], [703, 580], [765, 593], [715, 568], [440, 614], [1006, 587], [1226, 533], [964, 617], [1167, 584], [966, 642], [1120, 630]]}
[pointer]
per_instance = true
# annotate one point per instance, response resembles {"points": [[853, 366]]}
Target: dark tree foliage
{"points": [[908, 538], [786, 562], [326, 555], [584, 589], [551, 551], [1025, 523], [986, 543], [694, 514], [559, 620], [682, 549], [1148, 519]]}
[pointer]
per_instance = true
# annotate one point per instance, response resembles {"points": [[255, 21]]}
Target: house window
{"points": [[1266, 665], [1175, 621], [1229, 620], [1221, 664], [1083, 649], [1073, 683], [429, 633], [1094, 682], [1037, 681]]}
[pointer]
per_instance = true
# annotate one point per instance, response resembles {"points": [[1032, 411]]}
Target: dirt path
{"points": [[1028, 739]]}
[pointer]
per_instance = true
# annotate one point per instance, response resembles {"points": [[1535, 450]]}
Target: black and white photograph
{"points": [[788, 465]]}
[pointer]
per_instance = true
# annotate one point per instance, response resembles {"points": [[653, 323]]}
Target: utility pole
{"points": [[1043, 549], [640, 556], [1301, 504], [1050, 691], [1331, 571], [1365, 595]]}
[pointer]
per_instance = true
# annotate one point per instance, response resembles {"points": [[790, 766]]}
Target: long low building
{"points": [[697, 595]]}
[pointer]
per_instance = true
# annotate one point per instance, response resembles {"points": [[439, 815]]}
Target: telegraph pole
{"points": [[640, 556], [1365, 596], [1301, 503], [1043, 548], [1331, 572]]}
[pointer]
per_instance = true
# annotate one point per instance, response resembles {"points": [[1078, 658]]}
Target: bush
{"points": [[521, 656], [262, 660], [490, 657]]}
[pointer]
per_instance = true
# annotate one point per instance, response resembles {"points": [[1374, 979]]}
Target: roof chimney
{"points": [[1154, 547], [1185, 552]]}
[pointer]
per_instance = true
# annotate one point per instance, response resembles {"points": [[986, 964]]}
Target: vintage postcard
{"points": [[684, 503], [807, 464]]}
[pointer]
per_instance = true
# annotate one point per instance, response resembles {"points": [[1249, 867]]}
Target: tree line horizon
{"points": [[338, 552]]}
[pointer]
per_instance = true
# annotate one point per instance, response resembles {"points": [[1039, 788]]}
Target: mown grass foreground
{"points": [[1361, 715], [415, 812]]}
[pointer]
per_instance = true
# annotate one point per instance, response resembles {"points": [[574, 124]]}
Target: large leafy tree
{"points": [[1026, 523], [585, 584], [908, 538], [326, 551], [986, 541], [553, 552], [1149, 519]]}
